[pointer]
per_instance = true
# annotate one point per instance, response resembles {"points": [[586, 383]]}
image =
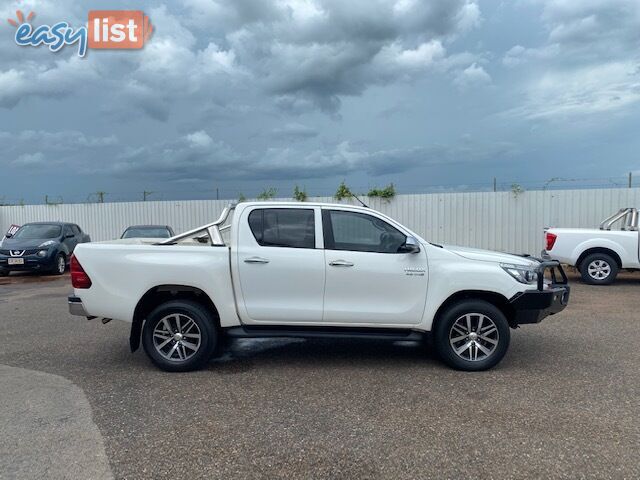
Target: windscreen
{"points": [[156, 232], [38, 231]]}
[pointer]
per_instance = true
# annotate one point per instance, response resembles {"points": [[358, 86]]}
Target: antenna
{"points": [[361, 202]]}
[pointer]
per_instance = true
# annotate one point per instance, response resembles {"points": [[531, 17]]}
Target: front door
{"points": [[280, 262], [70, 239], [369, 279]]}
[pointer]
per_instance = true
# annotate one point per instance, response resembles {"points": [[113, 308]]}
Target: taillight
{"points": [[551, 240], [79, 278]]}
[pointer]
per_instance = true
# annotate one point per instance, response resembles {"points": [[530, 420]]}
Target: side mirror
{"points": [[8, 235], [411, 245]]}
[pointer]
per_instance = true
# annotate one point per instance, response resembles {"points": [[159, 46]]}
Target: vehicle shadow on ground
{"points": [[623, 278], [243, 355], [240, 356], [21, 278]]}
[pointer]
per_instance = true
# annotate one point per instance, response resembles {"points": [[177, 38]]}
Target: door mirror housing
{"points": [[8, 235], [411, 245]]}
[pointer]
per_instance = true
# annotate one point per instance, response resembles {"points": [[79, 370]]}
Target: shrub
{"points": [[343, 192], [268, 194], [299, 195], [385, 193]]}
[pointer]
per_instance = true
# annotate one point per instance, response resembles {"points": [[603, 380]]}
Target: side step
{"points": [[266, 331]]}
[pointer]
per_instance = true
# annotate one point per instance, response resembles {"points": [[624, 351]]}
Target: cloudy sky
{"points": [[241, 95]]}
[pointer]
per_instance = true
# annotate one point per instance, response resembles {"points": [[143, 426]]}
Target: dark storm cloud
{"points": [[294, 131], [52, 150], [197, 155], [317, 51], [588, 64], [285, 89]]}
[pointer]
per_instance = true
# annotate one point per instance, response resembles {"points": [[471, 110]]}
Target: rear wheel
{"points": [[599, 269], [472, 335], [179, 336]]}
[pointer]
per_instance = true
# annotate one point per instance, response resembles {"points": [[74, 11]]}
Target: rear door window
{"points": [[283, 227]]}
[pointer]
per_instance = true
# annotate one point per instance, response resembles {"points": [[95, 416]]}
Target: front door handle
{"points": [[256, 260], [341, 263]]}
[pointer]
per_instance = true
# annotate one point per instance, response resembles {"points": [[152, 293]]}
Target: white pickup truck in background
{"points": [[311, 270], [598, 254]]}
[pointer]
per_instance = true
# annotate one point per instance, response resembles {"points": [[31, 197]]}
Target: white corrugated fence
{"points": [[493, 220]]}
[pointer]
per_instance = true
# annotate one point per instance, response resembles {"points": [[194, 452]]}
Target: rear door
{"points": [[280, 264], [369, 279]]}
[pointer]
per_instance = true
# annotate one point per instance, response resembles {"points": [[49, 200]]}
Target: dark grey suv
{"points": [[40, 246]]}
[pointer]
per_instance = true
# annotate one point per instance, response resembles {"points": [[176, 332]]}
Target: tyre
{"points": [[59, 265], [599, 269], [180, 336], [4, 273], [472, 335]]}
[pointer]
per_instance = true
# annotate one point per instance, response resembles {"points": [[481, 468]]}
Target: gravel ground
{"points": [[562, 404]]}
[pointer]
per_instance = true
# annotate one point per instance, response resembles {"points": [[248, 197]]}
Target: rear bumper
{"points": [[533, 306], [76, 307]]}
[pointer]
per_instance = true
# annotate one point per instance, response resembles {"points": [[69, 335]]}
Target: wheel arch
{"points": [[604, 250], [494, 298], [161, 294]]}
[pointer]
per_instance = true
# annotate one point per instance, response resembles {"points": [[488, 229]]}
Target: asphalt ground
{"points": [[75, 403]]}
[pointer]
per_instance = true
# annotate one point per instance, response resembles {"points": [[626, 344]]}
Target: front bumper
{"points": [[76, 307], [32, 262], [532, 306]]}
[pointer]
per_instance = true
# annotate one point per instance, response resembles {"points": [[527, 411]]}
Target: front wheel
{"points": [[60, 265], [180, 336], [472, 335], [599, 269], [4, 273]]}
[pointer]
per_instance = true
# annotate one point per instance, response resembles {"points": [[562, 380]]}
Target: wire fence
{"points": [[323, 189]]}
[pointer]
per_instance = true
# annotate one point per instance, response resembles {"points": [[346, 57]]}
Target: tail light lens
{"points": [[79, 278], [551, 240]]}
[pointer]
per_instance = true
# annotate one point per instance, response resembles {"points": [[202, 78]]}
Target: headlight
{"points": [[48, 243], [42, 253], [521, 273]]}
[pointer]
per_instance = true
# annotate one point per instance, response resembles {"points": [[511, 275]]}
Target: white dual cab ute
{"points": [[311, 270], [599, 254]]}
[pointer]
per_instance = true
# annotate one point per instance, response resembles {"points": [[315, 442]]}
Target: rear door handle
{"points": [[341, 263], [256, 260]]}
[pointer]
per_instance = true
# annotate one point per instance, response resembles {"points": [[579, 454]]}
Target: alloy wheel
{"points": [[474, 337], [177, 337]]}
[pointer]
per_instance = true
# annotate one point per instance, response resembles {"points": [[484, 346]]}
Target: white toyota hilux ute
{"points": [[598, 254], [311, 270]]}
